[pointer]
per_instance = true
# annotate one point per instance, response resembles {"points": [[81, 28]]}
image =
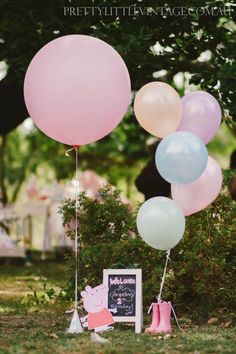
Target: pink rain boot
{"points": [[165, 312], [155, 318]]}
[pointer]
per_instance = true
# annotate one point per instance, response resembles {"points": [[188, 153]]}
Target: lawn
{"points": [[29, 329]]}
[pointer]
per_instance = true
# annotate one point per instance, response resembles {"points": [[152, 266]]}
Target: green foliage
{"points": [[205, 263], [39, 299], [100, 220], [36, 151], [202, 267], [25, 29]]}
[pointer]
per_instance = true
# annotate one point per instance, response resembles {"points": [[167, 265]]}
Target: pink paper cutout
{"points": [[95, 304]]}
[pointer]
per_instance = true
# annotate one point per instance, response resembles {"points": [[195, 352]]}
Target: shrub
{"points": [[202, 269], [102, 220]]}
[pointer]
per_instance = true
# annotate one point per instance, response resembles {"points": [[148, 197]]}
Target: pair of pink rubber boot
{"points": [[161, 312]]}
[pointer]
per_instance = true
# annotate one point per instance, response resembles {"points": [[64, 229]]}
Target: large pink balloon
{"points": [[197, 195], [201, 115], [77, 89]]}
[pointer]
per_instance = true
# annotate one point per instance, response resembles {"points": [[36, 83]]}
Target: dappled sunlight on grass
{"points": [[42, 329], [6, 309]]}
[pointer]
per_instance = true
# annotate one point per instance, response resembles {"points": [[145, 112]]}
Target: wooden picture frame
{"points": [[137, 318]]}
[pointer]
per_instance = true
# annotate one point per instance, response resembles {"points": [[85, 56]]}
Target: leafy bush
{"points": [[202, 269], [101, 220]]}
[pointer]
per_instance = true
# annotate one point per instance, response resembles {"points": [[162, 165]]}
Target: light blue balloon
{"points": [[181, 157]]}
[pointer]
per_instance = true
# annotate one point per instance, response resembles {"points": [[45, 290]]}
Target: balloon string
{"points": [[163, 276], [67, 153], [76, 226], [176, 319]]}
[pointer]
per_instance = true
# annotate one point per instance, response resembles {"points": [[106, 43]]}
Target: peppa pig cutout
{"points": [[99, 317]]}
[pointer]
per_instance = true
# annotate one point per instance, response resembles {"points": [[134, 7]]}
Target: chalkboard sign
{"points": [[125, 295]]}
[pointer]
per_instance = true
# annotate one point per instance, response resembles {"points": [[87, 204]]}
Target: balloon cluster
{"points": [[185, 125]]}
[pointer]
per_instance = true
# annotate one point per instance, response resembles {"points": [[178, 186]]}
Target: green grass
{"points": [[33, 330]]}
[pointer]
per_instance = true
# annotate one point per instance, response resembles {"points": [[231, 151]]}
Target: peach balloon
{"points": [[158, 108]]}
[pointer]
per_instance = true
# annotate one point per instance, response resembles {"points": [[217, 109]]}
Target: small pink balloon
{"points": [[77, 89], [201, 115], [197, 195]]}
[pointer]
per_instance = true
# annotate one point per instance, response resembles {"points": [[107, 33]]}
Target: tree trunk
{"points": [[128, 186], [21, 178], [4, 197]]}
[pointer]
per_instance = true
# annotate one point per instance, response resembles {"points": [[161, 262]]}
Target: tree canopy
{"points": [[200, 46], [26, 26]]}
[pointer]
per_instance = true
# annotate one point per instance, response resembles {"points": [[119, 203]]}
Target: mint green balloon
{"points": [[161, 223]]}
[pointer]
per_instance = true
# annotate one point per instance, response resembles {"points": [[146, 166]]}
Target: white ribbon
{"points": [[76, 227], [67, 153], [75, 325], [176, 319], [163, 276]]}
